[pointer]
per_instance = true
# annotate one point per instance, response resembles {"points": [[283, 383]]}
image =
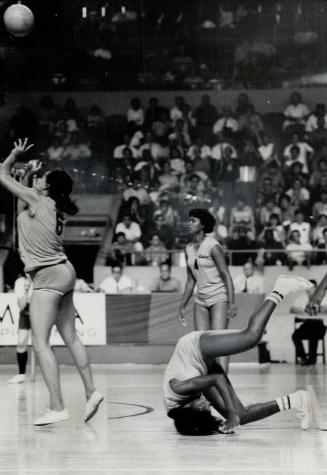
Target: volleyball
{"points": [[18, 20]]}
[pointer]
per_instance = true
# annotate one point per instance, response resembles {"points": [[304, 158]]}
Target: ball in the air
{"points": [[18, 20]]}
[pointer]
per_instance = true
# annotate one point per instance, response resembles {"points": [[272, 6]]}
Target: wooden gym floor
{"points": [[131, 434]]}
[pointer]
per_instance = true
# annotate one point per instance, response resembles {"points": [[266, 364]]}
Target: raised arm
{"points": [[219, 258], [313, 307], [28, 195]]}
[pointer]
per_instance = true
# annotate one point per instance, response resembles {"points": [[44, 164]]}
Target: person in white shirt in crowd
{"points": [[217, 150], [226, 124], [156, 150], [217, 209], [23, 289], [135, 115], [56, 150], [205, 151], [300, 196], [305, 152], [180, 136], [135, 189], [274, 224], [132, 231], [301, 226], [267, 150], [118, 151], [156, 253], [295, 113], [116, 283], [249, 281], [242, 215], [312, 122], [166, 282], [298, 252]]}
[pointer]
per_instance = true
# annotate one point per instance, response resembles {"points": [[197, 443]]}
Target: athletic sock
{"points": [[275, 297], [22, 361], [291, 401]]}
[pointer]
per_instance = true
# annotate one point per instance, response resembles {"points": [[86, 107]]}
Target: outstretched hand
{"points": [[230, 424], [21, 147]]}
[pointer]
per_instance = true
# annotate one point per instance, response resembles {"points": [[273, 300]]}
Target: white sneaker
{"points": [[92, 405], [17, 379], [304, 411], [50, 417], [286, 284]]}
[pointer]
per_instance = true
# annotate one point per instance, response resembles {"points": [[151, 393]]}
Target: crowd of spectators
{"points": [[166, 160]]}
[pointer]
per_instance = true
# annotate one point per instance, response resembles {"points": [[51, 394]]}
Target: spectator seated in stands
{"points": [[177, 163], [317, 232], [121, 250], [318, 137], [294, 172], [274, 224], [205, 115], [321, 256], [297, 252], [248, 281], [251, 126], [217, 150], [162, 127], [320, 207], [269, 247], [71, 115], [302, 226], [202, 163], [267, 151], [164, 231], [167, 179], [194, 185], [116, 283], [135, 115], [217, 208], [180, 136], [295, 115], [229, 167], [312, 329], [156, 150], [156, 254], [56, 150], [300, 196], [298, 151], [242, 103], [118, 151], [318, 179], [60, 132], [227, 124], [176, 112], [95, 121], [249, 161], [242, 216], [287, 211], [76, 149], [193, 80], [199, 149], [135, 189], [272, 182], [165, 282], [136, 211], [312, 121], [170, 215], [132, 231], [240, 241], [153, 112], [266, 211]]}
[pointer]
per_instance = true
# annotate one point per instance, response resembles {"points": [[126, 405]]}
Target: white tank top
{"points": [[210, 285], [40, 235]]}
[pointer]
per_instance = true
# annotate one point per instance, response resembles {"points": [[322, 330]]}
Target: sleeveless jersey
{"points": [[210, 286], [40, 235], [185, 363]]}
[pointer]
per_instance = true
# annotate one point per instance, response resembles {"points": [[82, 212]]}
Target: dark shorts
{"points": [[59, 278], [24, 320]]}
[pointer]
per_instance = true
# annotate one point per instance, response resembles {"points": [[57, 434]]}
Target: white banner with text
{"points": [[90, 321]]}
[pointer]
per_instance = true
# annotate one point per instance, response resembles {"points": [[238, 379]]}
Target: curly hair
{"points": [[192, 422], [207, 220]]}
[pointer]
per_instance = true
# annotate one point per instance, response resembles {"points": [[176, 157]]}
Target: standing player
{"points": [[193, 379], [207, 269], [40, 227], [23, 291]]}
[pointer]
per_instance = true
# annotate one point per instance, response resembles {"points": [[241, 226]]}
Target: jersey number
{"points": [[60, 223]]}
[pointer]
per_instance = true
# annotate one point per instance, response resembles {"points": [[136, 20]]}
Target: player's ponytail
{"points": [[60, 186]]}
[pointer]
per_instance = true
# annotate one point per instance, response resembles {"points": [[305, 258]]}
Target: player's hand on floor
{"points": [[230, 424]]}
